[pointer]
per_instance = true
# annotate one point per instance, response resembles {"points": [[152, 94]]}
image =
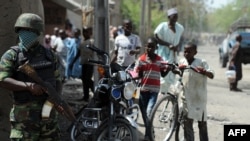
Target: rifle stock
{"points": [[60, 105]]}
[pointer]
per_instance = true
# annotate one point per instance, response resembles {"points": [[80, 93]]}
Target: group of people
{"points": [[155, 76], [65, 45], [73, 55]]}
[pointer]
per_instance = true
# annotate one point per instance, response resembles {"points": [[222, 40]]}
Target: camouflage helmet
{"points": [[29, 21]]}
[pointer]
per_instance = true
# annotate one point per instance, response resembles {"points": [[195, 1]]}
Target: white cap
{"points": [[172, 11]]}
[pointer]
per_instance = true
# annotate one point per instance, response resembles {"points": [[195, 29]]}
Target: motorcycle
{"points": [[109, 115]]}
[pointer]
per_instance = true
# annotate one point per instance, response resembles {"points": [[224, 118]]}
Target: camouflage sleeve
{"points": [[7, 65]]}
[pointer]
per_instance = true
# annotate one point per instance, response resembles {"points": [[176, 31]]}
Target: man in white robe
{"points": [[168, 35]]}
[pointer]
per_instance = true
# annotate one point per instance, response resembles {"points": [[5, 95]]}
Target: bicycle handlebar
{"points": [[179, 69]]}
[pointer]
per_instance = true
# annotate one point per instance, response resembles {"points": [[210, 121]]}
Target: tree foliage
{"points": [[194, 15], [191, 13], [131, 10], [220, 20]]}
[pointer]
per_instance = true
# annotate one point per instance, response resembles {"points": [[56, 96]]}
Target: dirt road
{"points": [[224, 107]]}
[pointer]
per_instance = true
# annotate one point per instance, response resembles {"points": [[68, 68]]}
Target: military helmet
{"points": [[29, 21]]}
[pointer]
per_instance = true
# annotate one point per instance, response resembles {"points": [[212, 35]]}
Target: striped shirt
{"points": [[151, 71]]}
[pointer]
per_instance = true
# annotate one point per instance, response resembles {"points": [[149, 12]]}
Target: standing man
{"points": [[26, 116], [168, 35], [54, 35], [127, 46], [87, 68], [235, 63], [72, 47], [61, 51]]}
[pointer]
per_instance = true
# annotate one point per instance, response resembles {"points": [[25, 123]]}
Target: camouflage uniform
{"points": [[25, 116], [26, 123]]}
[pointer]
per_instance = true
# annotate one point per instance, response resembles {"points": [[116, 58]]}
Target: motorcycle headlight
{"points": [[129, 90], [116, 93], [121, 75]]}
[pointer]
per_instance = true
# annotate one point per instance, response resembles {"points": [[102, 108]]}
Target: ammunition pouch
{"points": [[22, 97]]}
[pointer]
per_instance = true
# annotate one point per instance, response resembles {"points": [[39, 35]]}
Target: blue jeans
{"points": [[147, 101]]}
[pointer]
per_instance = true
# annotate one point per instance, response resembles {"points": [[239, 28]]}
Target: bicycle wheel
{"points": [[179, 132], [163, 118]]}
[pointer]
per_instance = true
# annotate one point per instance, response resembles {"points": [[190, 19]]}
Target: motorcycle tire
{"points": [[121, 127]]}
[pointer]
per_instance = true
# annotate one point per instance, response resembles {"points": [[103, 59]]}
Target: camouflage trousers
{"points": [[27, 124]]}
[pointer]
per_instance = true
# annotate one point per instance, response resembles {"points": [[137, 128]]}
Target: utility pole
{"points": [[101, 24], [142, 23], [101, 28], [148, 18]]}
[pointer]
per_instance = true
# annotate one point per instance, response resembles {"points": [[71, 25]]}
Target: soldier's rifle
{"points": [[53, 97]]}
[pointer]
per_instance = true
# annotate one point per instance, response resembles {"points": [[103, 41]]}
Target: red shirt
{"points": [[151, 72]]}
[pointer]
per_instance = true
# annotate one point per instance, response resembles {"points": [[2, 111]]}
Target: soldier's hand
{"points": [[36, 89]]}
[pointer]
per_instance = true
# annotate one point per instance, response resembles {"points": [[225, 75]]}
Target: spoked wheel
{"points": [[79, 132], [76, 133], [163, 118], [122, 131]]}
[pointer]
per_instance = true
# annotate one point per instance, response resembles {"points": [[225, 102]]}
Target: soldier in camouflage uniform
{"points": [[27, 123]]}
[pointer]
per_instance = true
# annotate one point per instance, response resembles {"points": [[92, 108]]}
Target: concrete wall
{"points": [[75, 19], [9, 11]]}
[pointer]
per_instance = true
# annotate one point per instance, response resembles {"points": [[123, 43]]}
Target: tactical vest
{"points": [[44, 65]]}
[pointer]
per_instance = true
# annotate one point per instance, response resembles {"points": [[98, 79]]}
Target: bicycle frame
{"points": [[174, 117]]}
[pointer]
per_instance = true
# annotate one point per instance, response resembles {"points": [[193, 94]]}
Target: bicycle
{"points": [[167, 116]]}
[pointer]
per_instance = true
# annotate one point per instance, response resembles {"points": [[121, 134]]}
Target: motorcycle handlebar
{"points": [[95, 49], [96, 62]]}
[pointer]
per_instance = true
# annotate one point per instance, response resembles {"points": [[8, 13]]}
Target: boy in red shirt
{"points": [[150, 68]]}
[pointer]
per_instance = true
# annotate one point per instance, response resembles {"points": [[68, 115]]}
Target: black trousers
{"points": [[238, 69], [189, 131], [87, 73]]}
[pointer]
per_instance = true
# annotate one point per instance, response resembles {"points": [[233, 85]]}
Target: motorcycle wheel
{"points": [[77, 130], [122, 131], [79, 133]]}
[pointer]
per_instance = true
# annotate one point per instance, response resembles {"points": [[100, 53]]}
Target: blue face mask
{"points": [[27, 39]]}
